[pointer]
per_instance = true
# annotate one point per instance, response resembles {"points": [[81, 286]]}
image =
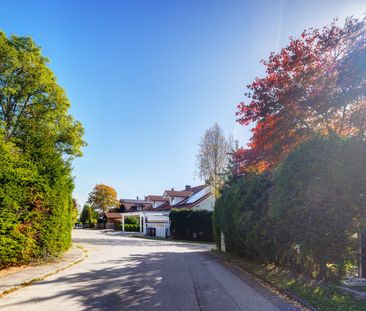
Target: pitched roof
{"points": [[156, 198], [183, 193], [198, 188], [187, 204], [133, 201], [163, 207], [134, 204], [198, 194], [112, 215]]}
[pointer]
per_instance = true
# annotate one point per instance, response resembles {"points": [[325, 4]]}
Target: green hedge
{"points": [[35, 206], [38, 140], [131, 220], [128, 227], [187, 224], [132, 228], [305, 215], [117, 225]]}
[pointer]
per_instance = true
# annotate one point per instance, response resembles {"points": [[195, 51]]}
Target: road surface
{"points": [[125, 273]]}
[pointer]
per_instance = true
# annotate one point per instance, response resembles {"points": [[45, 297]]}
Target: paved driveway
{"points": [[124, 273]]}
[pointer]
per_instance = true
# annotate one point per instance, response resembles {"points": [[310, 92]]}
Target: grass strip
{"points": [[323, 296]]}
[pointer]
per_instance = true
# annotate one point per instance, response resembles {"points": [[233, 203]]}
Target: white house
{"points": [[156, 200], [154, 218], [151, 223]]}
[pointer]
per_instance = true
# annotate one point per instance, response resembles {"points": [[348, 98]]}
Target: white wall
{"points": [[207, 204], [158, 203], [176, 200], [162, 230]]}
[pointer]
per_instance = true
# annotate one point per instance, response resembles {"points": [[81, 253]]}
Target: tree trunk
{"points": [[322, 271]]}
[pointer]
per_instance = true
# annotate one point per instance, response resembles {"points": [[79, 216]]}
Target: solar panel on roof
{"points": [[198, 195]]}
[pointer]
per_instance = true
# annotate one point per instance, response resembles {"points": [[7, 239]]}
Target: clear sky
{"points": [[146, 78]]}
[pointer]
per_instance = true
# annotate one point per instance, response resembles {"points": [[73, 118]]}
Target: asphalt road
{"points": [[124, 273]]}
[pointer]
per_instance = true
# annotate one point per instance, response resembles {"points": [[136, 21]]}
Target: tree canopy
{"points": [[297, 194], [315, 85], [103, 198], [38, 139], [31, 99], [212, 156]]}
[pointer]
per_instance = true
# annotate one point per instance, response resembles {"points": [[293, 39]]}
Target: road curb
{"points": [[41, 277]]}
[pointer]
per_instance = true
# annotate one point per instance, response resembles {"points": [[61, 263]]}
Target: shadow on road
{"points": [[147, 275], [115, 239], [137, 282]]}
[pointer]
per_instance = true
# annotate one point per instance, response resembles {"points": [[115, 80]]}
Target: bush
{"points": [[35, 206], [117, 225], [188, 224], [38, 140], [304, 215], [317, 205], [89, 216], [130, 220], [240, 213], [130, 225], [132, 228]]}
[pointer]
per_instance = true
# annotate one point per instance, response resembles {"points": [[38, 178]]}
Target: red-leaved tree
{"points": [[315, 85]]}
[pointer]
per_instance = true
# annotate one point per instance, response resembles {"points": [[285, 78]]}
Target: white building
{"points": [[154, 218]]}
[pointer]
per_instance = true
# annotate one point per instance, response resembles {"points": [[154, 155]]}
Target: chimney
{"points": [[188, 187], [172, 189], [137, 198]]}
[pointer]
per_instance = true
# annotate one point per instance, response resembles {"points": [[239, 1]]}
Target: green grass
{"points": [[323, 296]]}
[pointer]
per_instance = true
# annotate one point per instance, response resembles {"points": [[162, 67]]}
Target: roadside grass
{"points": [[321, 296]]}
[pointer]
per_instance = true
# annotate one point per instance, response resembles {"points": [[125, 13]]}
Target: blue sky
{"points": [[146, 78]]}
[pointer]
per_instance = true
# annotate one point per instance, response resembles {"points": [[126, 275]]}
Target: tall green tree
{"points": [[38, 140], [88, 215], [31, 99]]}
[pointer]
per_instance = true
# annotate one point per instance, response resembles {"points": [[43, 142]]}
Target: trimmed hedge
{"points": [[128, 227], [131, 220], [187, 224], [305, 215], [117, 225], [35, 206], [132, 228]]}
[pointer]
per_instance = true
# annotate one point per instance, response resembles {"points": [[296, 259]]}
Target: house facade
{"points": [[155, 209], [133, 205], [108, 219]]}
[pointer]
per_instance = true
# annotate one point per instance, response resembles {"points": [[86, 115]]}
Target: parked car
{"points": [[78, 226]]}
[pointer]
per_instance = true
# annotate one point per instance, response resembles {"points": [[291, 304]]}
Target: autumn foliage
{"points": [[315, 85], [103, 198], [296, 196]]}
